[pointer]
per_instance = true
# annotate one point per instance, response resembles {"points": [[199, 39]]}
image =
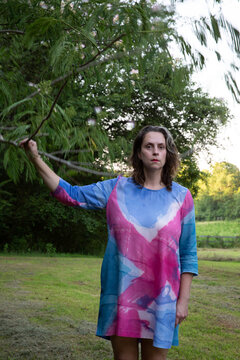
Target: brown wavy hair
{"points": [[172, 158]]}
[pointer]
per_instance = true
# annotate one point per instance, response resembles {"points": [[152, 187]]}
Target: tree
{"points": [[222, 179], [42, 46], [218, 195]]}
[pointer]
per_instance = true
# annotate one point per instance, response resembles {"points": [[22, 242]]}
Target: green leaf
{"points": [[6, 157], [5, 91], [20, 115], [12, 106], [215, 28], [39, 28], [218, 55], [89, 37]]}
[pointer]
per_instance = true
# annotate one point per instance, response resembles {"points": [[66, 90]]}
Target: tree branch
{"points": [[62, 152], [75, 167], [62, 87], [69, 164], [187, 153], [8, 128], [85, 66], [10, 31], [48, 115]]}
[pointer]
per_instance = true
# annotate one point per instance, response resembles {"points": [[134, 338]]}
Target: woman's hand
{"points": [[30, 148], [50, 179], [181, 311], [184, 294]]}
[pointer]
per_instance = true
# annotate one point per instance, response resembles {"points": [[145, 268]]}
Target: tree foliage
{"points": [[222, 179], [219, 193], [115, 57], [217, 27]]}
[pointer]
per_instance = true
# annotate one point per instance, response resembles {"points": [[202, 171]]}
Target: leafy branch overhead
{"points": [[120, 77], [215, 27]]}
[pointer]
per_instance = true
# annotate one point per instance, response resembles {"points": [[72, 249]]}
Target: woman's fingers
{"points": [[179, 319], [181, 311], [21, 144], [30, 147]]}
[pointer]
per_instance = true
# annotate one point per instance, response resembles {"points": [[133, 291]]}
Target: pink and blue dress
{"points": [[151, 242]]}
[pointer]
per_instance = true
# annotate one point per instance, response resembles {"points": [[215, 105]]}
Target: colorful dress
{"points": [[151, 242]]}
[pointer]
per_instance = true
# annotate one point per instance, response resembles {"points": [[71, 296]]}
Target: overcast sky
{"points": [[211, 78]]}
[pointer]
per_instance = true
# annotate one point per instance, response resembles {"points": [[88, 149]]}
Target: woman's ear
{"points": [[139, 156]]}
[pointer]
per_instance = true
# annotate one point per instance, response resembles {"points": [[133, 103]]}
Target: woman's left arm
{"points": [[188, 257], [183, 299]]}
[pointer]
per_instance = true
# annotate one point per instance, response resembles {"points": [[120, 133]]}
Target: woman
{"points": [[151, 256]]}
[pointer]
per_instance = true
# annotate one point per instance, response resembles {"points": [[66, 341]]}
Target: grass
{"points": [[49, 308], [220, 227], [219, 254]]}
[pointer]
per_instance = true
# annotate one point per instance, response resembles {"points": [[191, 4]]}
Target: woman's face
{"points": [[153, 151]]}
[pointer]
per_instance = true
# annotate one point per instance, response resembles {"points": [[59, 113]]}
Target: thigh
{"points": [[150, 352], [124, 348]]}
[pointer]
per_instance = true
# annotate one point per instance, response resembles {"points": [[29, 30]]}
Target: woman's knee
{"points": [[150, 352], [124, 348]]}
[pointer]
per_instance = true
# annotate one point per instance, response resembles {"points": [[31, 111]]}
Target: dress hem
{"points": [[160, 344]]}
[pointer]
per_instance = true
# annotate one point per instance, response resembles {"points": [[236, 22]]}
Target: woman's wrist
{"points": [[34, 157]]}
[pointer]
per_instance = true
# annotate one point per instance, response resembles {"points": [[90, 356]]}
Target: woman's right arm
{"points": [[50, 179], [93, 196]]}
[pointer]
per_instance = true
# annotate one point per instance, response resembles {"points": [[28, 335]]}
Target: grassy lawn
{"points": [[219, 254], [49, 308], [220, 227]]}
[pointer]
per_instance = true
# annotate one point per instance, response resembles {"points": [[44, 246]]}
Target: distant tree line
{"points": [[219, 193]]}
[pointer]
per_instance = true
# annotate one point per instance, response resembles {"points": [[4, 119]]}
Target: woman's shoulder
{"points": [[179, 191], [178, 187]]}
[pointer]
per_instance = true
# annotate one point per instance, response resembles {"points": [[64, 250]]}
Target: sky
{"points": [[211, 78]]}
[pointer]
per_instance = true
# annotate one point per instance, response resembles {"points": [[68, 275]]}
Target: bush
{"points": [[50, 249], [6, 248], [39, 220]]}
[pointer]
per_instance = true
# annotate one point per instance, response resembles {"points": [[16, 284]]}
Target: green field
{"points": [[221, 234], [220, 228], [49, 307]]}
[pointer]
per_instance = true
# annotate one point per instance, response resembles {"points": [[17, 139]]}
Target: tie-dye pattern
{"points": [[151, 242]]}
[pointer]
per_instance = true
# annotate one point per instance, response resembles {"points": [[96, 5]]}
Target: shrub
{"points": [[50, 249]]}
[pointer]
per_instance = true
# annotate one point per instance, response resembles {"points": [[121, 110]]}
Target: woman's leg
{"points": [[124, 348], [150, 352]]}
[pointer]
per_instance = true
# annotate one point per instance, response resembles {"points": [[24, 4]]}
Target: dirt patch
{"points": [[228, 321], [80, 283]]}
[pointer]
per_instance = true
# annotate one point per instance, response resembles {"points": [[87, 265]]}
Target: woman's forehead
{"points": [[154, 137]]}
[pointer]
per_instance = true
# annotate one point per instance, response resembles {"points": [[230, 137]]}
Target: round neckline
{"points": [[145, 188]]}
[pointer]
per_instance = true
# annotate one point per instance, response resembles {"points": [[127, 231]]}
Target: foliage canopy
{"points": [[120, 73]]}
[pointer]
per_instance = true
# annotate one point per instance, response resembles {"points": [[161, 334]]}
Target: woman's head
{"points": [[172, 162]]}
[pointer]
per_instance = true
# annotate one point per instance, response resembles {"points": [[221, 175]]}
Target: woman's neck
{"points": [[153, 181]]}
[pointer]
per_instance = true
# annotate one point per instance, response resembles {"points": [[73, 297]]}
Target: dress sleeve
{"points": [[187, 241], [94, 196]]}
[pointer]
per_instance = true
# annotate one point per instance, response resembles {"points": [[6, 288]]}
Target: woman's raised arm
{"points": [[50, 179]]}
